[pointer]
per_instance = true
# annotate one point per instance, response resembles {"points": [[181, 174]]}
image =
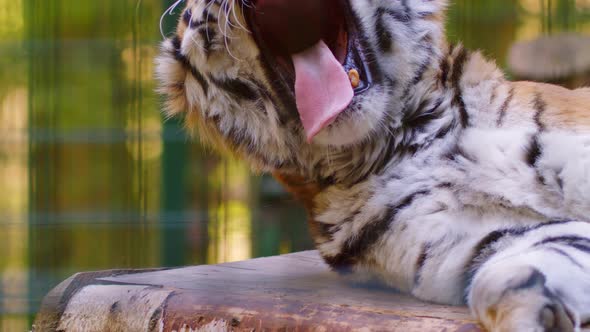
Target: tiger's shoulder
{"points": [[491, 99], [562, 108]]}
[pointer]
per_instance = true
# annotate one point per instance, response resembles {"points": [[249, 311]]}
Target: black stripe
{"points": [[265, 93], [408, 149], [347, 220], [574, 241], [420, 262], [456, 75], [442, 132], [533, 152], [504, 107], [419, 118], [236, 137], [205, 21], [226, 6], [187, 65], [176, 43], [240, 140], [494, 93], [326, 230], [404, 17], [422, 68], [536, 278], [551, 223], [493, 237], [238, 88], [384, 37], [445, 67], [458, 66], [288, 109], [540, 107], [390, 149], [357, 246], [186, 17], [425, 15], [565, 255], [208, 36], [484, 250], [368, 54]]}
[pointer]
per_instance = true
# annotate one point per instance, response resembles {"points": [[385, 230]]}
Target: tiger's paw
{"points": [[522, 303]]}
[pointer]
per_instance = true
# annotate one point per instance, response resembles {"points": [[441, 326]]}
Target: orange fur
{"points": [[566, 109], [305, 192]]}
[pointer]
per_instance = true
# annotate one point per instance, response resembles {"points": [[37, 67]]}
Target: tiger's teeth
{"points": [[355, 78]]}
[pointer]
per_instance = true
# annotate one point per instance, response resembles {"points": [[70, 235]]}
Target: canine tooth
{"points": [[355, 78]]}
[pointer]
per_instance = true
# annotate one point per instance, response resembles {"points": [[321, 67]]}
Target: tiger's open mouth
{"points": [[322, 61]]}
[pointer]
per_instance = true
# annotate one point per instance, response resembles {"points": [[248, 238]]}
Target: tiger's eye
{"points": [[355, 78]]}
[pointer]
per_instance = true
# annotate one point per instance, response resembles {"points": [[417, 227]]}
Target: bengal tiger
{"points": [[436, 175]]}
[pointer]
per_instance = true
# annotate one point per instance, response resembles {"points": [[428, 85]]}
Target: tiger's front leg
{"points": [[527, 278], [533, 280]]}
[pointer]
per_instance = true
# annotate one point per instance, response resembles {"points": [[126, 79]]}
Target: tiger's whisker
{"points": [[169, 11], [238, 21]]}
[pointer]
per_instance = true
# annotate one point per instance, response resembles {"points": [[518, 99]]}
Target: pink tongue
{"points": [[322, 88]]}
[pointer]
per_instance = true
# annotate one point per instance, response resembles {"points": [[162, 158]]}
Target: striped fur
{"points": [[443, 179]]}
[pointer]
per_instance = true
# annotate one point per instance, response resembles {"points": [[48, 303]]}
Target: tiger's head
{"points": [[234, 89]]}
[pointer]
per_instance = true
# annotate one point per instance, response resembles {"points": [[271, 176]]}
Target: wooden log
{"points": [[295, 292]]}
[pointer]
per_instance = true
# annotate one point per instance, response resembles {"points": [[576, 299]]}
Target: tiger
{"points": [[436, 174]]}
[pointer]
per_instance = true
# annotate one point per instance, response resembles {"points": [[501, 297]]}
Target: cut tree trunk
{"points": [[295, 292]]}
